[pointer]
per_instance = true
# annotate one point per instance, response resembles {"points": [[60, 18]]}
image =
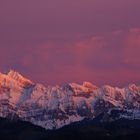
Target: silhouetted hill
{"points": [[84, 130]]}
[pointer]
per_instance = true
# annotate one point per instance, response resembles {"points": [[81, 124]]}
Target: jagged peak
{"points": [[85, 87], [133, 87], [18, 77], [14, 74], [89, 85]]}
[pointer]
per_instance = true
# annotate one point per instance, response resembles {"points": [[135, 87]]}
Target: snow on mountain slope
{"points": [[53, 107]]}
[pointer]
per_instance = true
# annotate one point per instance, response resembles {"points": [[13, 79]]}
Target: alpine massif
{"points": [[53, 107]]}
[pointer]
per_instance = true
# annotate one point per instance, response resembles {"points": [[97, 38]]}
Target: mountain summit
{"points": [[52, 107]]}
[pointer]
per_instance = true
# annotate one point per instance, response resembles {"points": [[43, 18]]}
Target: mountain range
{"points": [[53, 107]]}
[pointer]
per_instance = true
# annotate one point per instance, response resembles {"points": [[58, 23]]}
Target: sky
{"points": [[62, 41]]}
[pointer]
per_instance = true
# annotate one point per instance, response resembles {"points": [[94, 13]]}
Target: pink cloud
{"points": [[111, 57], [132, 48]]}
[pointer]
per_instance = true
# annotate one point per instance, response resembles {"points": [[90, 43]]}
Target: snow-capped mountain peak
{"points": [[52, 107], [15, 75], [89, 85], [15, 78]]}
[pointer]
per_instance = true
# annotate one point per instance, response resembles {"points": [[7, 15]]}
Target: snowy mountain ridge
{"points": [[55, 106]]}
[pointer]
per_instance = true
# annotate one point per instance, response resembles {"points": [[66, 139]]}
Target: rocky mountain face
{"points": [[52, 107]]}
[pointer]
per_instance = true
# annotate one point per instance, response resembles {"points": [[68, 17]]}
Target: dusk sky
{"points": [[62, 41]]}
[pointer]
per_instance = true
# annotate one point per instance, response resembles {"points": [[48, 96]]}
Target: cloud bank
{"points": [[106, 58]]}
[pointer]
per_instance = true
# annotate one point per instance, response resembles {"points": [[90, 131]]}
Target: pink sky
{"points": [[61, 41]]}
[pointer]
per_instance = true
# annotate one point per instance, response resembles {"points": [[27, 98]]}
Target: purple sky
{"points": [[61, 41]]}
